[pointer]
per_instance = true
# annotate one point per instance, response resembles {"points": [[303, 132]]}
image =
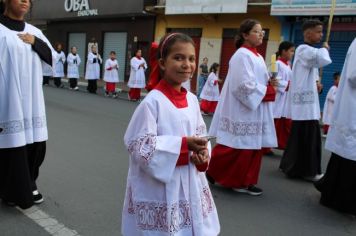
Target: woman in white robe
{"points": [[111, 74], [92, 73], [59, 58], [137, 79], [243, 121], [167, 193], [338, 185], [23, 127], [210, 93], [73, 62]]}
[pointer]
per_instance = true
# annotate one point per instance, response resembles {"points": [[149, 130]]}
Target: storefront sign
{"points": [[80, 6], [312, 7], [205, 6]]}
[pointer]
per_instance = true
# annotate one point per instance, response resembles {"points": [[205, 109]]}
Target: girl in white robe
{"points": [[338, 185], [47, 73], [111, 74], [243, 121], [302, 156], [92, 73], [59, 58], [137, 79], [23, 127], [210, 92], [167, 193], [282, 123], [73, 62], [329, 104]]}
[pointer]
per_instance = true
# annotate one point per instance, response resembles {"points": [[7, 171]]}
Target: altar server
{"points": [[302, 156], [92, 73], [243, 121], [59, 58], [167, 193], [23, 127], [338, 185], [137, 79], [210, 93], [73, 61], [111, 75]]}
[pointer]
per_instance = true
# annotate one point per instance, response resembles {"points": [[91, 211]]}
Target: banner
{"points": [[311, 7], [175, 7]]}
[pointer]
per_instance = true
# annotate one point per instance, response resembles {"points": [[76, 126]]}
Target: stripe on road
{"points": [[48, 223]]}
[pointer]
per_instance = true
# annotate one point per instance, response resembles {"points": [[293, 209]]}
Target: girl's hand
{"points": [[27, 38], [196, 144], [201, 157]]}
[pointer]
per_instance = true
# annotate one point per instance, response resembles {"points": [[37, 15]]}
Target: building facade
{"points": [[120, 26]]}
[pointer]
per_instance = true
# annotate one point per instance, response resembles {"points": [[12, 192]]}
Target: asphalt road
{"points": [[84, 175]]}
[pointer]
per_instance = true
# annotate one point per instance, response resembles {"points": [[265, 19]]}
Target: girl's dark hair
{"points": [[113, 52], [2, 6], [336, 75], [245, 28], [214, 67], [285, 45], [169, 40]]}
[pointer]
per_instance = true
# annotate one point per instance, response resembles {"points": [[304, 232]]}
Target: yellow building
{"points": [[214, 33]]}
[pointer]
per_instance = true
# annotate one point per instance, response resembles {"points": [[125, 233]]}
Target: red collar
{"points": [[179, 99], [284, 61], [138, 57], [254, 50]]}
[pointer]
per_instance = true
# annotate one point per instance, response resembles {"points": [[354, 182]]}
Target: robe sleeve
{"points": [[70, 60], [157, 155], [244, 84], [107, 65], [63, 57], [78, 60], [135, 64], [91, 58], [314, 57], [43, 50], [282, 84], [350, 68], [330, 96]]}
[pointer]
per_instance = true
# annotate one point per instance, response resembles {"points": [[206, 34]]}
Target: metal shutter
{"points": [[79, 40], [116, 41], [339, 44]]}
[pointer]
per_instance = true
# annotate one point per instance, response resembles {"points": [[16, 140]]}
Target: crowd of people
{"points": [[171, 158]]}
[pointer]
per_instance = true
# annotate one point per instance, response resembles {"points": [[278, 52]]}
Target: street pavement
{"points": [[83, 180]]}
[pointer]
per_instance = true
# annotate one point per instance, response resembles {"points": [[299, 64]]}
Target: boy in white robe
{"points": [[337, 187], [329, 104], [302, 157], [73, 61], [59, 58], [92, 72], [167, 193], [111, 75]]}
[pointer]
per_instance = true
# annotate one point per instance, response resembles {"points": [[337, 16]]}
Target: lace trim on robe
{"points": [[18, 126], [143, 147]]}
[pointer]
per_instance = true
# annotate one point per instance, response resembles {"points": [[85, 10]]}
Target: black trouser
{"points": [[73, 82], [92, 86], [46, 79], [57, 81], [19, 170]]}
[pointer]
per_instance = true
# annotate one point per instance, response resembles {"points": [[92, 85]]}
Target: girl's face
{"points": [[59, 47], [93, 49], [179, 65], [17, 8], [138, 53], [288, 54], [255, 37], [112, 56], [74, 50]]}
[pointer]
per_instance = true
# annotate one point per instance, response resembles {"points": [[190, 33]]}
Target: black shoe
{"points": [[37, 197], [251, 190], [210, 179]]}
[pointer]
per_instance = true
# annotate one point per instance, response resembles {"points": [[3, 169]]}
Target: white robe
{"points": [[242, 120], [93, 69], [210, 91], [111, 74], [137, 74], [73, 63], [329, 105], [303, 89], [281, 106], [161, 198], [58, 64], [341, 137], [47, 70], [22, 108]]}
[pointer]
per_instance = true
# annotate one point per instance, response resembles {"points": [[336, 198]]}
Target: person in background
{"points": [[302, 156], [73, 62], [23, 126], [92, 73], [210, 93], [111, 75], [47, 73], [168, 155], [203, 75], [137, 79], [58, 65], [243, 121], [329, 104]]}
